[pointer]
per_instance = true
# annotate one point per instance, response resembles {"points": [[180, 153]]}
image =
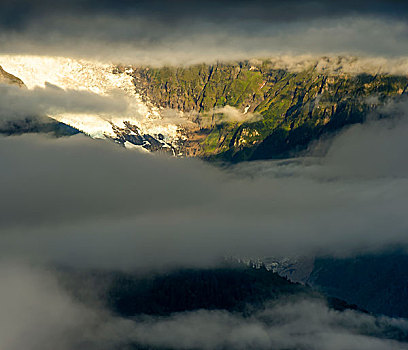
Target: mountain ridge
{"points": [[229, 112]]}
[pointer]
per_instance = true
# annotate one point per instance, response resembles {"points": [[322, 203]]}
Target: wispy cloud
{"points": [[17, 103], [37, 313], [135, 39]]}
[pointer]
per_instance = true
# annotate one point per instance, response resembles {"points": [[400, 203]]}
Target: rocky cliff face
{"points": [[258, 109]]}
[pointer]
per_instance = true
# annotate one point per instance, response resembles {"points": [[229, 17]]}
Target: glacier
{"points": [[99, 78]]}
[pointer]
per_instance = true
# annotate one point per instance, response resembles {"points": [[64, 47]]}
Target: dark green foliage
{"points": [[244, 291], [224, 288]]}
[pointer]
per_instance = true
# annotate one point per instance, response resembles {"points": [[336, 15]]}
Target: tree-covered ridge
{"points": [[235, 288], [294, 107], [237, 291]]}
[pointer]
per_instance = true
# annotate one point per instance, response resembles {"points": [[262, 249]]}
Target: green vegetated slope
{"points": [[285, 109]]}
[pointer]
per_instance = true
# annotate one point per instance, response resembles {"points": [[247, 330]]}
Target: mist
{"points": [[90, 203], [37, 313], [17, 103], [130, 38]]}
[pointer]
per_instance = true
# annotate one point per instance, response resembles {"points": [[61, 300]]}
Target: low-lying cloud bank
{"points": [[38, 314], [89, 203], [293, 324], [17, 103]]}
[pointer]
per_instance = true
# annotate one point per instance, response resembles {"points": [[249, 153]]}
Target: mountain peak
{"points": [[10, 79]]}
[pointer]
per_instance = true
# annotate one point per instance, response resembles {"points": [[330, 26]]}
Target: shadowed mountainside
{"points": [[232, 288], [242, 291], [376, 282]]}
